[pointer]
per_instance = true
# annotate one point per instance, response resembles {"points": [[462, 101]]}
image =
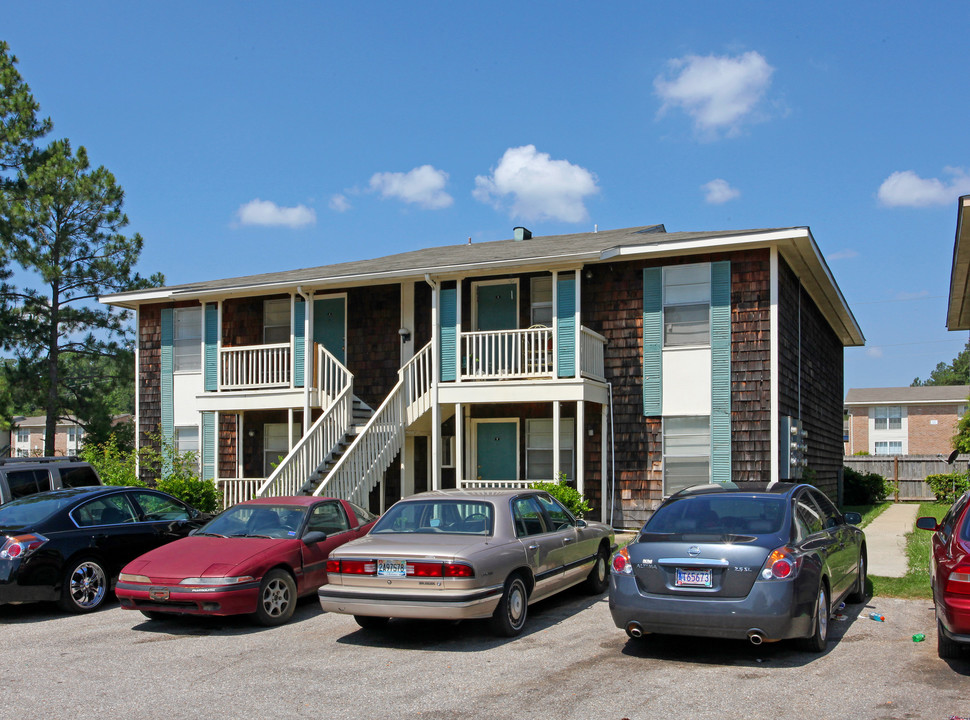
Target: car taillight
{"points": [[425, 569], [621, 562], [959, 580], [354, 567], [780, 565], [20, 546], [459, 570], [333, 566]]}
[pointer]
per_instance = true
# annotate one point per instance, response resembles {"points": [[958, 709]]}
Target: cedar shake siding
{"points": [[149, 381], [242, 320], [227, 446], [373, 343], [811, 380]]}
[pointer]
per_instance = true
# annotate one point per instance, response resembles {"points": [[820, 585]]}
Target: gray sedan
{"points": [[456, 555], [756, 561]]}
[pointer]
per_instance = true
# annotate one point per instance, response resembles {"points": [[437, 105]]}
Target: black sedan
{"points": [[759, 561], [68, 545]]}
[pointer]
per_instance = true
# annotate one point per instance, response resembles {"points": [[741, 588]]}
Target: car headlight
{"points": [[217, 580], [128, 577]]}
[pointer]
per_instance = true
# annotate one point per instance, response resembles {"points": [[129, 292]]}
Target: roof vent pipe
{"points": [[521, 233]]}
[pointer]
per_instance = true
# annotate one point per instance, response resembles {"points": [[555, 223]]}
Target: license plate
{"points": [[693, 578], [158, 593], [392, 568]]}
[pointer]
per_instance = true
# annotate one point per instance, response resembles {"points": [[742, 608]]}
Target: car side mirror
{"points": [[193, 531], [853, 518], [927, 523], [314, 536], [581, 523]]}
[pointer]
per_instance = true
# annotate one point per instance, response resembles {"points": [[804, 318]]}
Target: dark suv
{"points": [[24, 476]]}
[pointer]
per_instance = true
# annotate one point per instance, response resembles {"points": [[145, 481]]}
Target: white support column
{"points": [[459, 445], [604, 485], [556, 413], [215, 446], [240, 449], [458, 341], [407, 466], [580, 444], [435, 405], [309, 381], [578, 339], [775, 388]]}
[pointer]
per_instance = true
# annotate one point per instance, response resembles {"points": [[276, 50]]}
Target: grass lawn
{"points": [[916, 582]]}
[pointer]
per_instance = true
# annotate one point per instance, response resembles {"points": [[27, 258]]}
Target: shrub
{"points": [[948, 486], [863, 489], [567, 495], [114, 465], [199, 493]]}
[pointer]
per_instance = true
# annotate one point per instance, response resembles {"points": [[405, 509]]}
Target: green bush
{"points": [[199, 493], [863, 489], [114, 465], [948, 486], [567, 495]]}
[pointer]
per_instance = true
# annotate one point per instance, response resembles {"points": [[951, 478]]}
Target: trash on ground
{"points": [[877, 617], [919, 637], [841, 617]]}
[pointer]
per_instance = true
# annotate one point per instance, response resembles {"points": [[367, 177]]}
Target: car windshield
{"points": [[274, 521], [33, 509], [712, 514], [438, 516]]}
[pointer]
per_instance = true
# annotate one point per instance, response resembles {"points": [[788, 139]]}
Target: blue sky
{"points": [[260, 136]]}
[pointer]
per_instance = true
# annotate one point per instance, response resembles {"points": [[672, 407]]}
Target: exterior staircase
{"points": [[360, 416]]}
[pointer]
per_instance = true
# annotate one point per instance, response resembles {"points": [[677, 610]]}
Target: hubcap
{"points": [[276, 598], [601, 568], [87, 585], [823, 615], [516, 604]]}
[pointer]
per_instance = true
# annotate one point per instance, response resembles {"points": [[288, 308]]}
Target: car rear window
{"points": [[33, 509], [79, 476], [27, 482], [719, 515], [438, 516]]}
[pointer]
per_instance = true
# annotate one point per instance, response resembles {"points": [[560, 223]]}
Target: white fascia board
{"points": [[717, 242]]}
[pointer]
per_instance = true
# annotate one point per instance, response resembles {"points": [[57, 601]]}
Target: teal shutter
{"points": [[566, 326], [299, 343], [448, 310], [208, 445], [210, 364], [652, 341], [721, 371], [167, 381]]}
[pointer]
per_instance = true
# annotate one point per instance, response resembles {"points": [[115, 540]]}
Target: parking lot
{"points": [[569, 663]]}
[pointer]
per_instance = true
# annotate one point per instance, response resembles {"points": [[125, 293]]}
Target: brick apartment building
{"points": [[903, 420]]}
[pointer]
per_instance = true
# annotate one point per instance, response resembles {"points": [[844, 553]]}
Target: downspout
{"points": [[307, 359]]}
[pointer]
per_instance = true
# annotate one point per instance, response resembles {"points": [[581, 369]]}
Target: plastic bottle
{"points": [[877, 617], [919, 637]]}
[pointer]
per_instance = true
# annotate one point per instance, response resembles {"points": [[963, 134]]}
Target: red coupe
{"points": [[255, 558], [950, 576]]}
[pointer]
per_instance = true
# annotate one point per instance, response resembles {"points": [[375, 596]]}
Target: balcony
{"points": [[524, 354], [254, 367]]}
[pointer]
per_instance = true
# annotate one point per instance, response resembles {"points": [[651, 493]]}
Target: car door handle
{"points": [[566, 541], [533, 547]]}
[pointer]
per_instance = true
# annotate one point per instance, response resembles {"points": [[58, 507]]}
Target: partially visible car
{"points": [[68, 545], [762, 561], [255, 558], [462, 554], [950, 577], [23, 476]]}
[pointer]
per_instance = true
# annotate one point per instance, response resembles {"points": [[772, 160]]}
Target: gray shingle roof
{"points": [[908, 395]]}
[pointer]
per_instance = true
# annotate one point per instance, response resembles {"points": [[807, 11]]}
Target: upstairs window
{"points": [[888, 417], [187, 349], [276, 321], [541, 296], [687, 305]]}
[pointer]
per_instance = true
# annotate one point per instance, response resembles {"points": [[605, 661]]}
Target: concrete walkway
{"points": [[886, 540]]}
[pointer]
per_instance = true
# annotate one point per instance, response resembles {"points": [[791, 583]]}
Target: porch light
{"points": [[405, 334]]}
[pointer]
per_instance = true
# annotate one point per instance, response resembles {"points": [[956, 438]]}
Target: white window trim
{"points": [[664, 305]]}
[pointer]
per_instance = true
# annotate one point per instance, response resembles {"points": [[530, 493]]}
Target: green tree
{"points": [[956, 372], [64, 228]]}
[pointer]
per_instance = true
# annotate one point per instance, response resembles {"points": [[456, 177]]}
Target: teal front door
{"points": [[497, 307], [329, 326], [496, 451]]}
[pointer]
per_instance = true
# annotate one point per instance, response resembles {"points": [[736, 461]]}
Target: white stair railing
{"points": [[320, 440], [362, 467]]}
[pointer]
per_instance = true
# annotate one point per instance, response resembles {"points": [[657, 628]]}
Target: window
{"points": [[78, 476], [448, 452], [328, 518], [527, 516], [889, 448], [155, 508], [276, 321], [687, 305], [541, 295], [561, 520], [538, 449], [187, 350], [276, 445], [187, 441], [889, 417], [686, 452], [23, 436], [111, 510], [27, 482]]}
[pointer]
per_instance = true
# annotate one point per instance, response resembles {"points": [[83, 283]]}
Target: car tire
{"points": [[818, 640], [277, 598], [370, 622], [858, 594], [946, 648], [85, 586], [599, 576], [509, 617]]}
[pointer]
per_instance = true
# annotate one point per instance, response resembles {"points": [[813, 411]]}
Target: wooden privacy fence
{"points": [[909, 471]]}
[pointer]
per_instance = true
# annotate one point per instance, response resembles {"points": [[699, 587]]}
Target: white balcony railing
{"points": [[506, 354], [254, 366], [591, 352]]}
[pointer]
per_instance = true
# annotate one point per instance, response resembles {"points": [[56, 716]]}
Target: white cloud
{"points": [[874, 351], [340, 203], [907, 189], [537, 187], [264, 212], [423, 186], [718, 192], [846, 254], [717, 92]]}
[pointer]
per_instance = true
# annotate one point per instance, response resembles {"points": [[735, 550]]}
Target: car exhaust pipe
{"points": [[756, 636], [635, 631]]}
